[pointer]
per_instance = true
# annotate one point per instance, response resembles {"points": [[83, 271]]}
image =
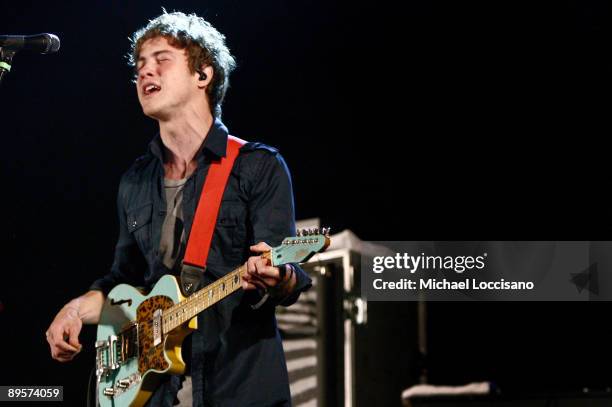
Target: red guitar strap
{"points": [[205, 218]]}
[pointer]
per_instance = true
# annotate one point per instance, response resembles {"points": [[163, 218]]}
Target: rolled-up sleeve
{"points": [[272, 212]]}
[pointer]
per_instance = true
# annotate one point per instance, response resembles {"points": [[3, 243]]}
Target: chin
{"points": [[153, 112]]}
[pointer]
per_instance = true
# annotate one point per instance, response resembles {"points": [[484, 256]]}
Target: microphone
{"points": [[43, 43]]}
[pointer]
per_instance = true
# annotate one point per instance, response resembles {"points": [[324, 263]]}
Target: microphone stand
{"points": [[6, 58]]}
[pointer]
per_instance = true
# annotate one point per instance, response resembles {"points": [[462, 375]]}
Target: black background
{"points": [[433, 120]]}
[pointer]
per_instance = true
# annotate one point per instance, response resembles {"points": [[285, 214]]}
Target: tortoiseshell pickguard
{"points": [[150, 356]]}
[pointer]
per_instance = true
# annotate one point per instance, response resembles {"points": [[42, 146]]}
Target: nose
{"points": [[145, 71]]}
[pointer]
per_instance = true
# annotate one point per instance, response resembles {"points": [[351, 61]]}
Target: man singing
{"points": [[235, 358]]}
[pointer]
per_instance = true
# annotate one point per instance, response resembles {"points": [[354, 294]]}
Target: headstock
{"points": [[299, 249]]}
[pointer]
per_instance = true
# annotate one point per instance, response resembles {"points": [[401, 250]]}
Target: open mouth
{"points": [[151, 89]]}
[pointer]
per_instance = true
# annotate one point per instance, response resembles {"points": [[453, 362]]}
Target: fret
{"points": [[202, 299]]}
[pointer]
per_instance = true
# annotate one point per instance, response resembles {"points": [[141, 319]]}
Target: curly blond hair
{"points": [[204, 45]]}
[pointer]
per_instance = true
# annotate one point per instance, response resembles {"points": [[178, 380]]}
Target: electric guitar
{"points": [[139, 336]]}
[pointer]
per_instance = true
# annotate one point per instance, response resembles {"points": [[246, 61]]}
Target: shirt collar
{"points": [[215, 143]]}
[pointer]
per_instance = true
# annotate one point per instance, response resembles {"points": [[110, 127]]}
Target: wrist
{"points": [[288, 274], [287, 283], [73, 308]]}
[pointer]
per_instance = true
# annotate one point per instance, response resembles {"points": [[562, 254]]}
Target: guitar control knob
{"points": [[109, 391], [124, 383]]}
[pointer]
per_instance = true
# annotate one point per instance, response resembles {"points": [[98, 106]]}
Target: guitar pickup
{"points": [[128, 343], [157, 327]]}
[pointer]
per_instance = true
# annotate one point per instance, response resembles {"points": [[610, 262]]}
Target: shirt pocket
{"points": [[139, 225], [231, 228]]}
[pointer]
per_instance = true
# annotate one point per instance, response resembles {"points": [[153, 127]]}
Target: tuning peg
{"points": [[299, 233], [317, 231], [326, 231]]}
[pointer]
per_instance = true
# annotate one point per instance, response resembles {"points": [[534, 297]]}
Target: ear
{"points": [[208, 73]]}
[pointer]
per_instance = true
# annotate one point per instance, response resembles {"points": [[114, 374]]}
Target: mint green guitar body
{"points": [[129, 362]]}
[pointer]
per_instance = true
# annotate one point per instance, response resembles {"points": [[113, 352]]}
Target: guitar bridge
{"points": [[116, 350], [106, 356]]}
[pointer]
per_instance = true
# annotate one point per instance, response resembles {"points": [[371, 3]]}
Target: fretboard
{"points": [[202, 299]]}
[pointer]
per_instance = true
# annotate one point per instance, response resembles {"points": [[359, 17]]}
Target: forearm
{"points": [[87, 307]]}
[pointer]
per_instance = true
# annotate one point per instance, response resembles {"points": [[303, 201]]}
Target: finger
{"points": [[56, 338], [64, 357], [248, 286], [269, 272], [251, 268], [64, 346], [257, 263], [260, 284], [58, 353], [269, 282], [270, 275], [264, 282], [263, 269], [253, 280], [260, 247], [66, 354], [73, 336], [261, 262]]}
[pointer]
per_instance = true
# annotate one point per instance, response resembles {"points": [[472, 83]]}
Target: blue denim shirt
{"points": [[236, 354]]}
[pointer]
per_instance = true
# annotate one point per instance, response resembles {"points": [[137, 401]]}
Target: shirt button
{"points": [[134, 224]]}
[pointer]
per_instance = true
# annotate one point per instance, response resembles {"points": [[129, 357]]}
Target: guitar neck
{"points": [[202, 299], [292, 250]]}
